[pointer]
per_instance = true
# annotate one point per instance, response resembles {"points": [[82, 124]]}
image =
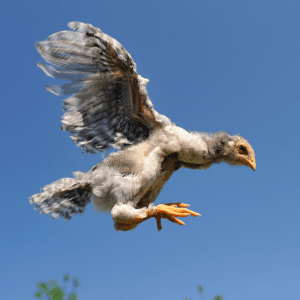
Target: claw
{"points": [[177, 204], [158, 221], [175, 220], [170, 211]]}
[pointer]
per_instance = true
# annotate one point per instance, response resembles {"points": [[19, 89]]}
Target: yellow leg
{"points": [[167, 211], [170, 211]]}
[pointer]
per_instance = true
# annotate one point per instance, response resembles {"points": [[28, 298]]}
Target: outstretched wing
{"points": [[109, 106]]}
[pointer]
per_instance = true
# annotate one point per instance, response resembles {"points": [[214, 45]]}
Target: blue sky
{"points": [[213, 65]]}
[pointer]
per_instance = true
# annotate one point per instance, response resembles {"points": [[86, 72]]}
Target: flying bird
{"points": [[109, 107]]}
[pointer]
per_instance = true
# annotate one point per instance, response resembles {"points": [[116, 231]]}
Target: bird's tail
{"points": [[65, 197]]}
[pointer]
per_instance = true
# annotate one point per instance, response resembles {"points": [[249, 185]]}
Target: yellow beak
{"points": [[252, 165], [249, 162]]}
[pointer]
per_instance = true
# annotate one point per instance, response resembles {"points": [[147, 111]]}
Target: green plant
{"points": [[53, 291], [200, 291]]}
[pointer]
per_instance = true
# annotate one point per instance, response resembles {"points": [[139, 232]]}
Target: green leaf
{"points": [[73, 296], [38, 295], [76, 282], [218, 297], [57, 293], [43, 286], [66, 277], [200, 288]]}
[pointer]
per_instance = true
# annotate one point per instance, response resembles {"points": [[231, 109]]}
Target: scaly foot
{"points": [[167, 211], [170, 211]]}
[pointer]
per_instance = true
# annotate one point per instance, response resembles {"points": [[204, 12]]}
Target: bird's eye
{"points": [[243, 150]]}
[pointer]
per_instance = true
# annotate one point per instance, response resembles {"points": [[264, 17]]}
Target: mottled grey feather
{"points": [[98, 110], [63, 198]]}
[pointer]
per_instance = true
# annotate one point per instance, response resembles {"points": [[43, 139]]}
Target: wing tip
{"points": [[74, 25], [83, 27], [54, 89]]}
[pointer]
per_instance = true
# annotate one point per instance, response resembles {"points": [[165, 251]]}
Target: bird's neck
{"points": [[190, 147], [198, 149], [217, 144]]}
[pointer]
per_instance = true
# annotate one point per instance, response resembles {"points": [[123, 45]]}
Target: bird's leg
{"points": [[167, 211], [177, 204], [170, 211]]}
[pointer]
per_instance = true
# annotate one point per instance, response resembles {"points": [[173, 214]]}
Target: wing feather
{"points": [[109, 104]]}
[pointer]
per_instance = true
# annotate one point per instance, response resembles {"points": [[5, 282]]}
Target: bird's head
{"points": [[237, 151]]}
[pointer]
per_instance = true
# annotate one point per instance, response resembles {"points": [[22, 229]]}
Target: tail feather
{"points": [[64, 198]]}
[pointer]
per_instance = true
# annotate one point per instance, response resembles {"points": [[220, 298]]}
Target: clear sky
{"points": [[213, 65]]}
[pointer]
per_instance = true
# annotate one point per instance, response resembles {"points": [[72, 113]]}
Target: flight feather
{"points": [[109, 105]]}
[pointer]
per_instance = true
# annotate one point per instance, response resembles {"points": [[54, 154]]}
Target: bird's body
{"points": [[105, 103]]}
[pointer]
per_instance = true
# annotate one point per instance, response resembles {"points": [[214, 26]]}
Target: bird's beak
{"points": [[249, 162]]}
